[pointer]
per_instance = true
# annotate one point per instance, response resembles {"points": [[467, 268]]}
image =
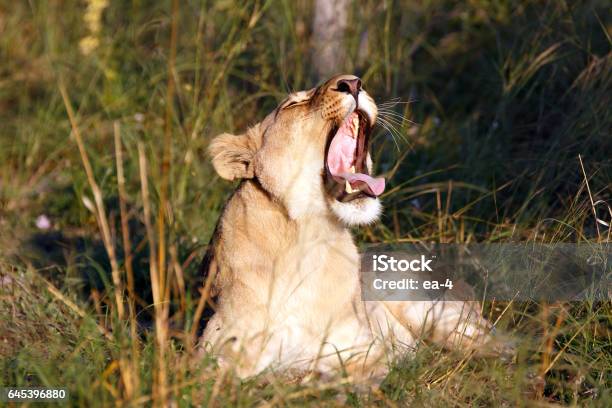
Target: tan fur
{"points": [[287, 268]]}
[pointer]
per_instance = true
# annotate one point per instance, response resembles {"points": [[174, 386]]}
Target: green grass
{"points": [[506, 96]]}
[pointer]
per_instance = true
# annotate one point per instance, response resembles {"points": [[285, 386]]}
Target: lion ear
{"points": [[232, 156]]}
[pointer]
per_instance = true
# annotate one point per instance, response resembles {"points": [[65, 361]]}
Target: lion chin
{"points": [[361, 212]]}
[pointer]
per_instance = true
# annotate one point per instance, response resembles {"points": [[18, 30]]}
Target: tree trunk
{"points": [[330, 21]]}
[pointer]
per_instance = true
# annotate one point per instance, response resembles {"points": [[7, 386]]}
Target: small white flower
{"points": [[5, 281], [43, 222], [139, 117]]}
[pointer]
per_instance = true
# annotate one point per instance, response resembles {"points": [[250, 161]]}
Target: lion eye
{"points": [[290, 104]]}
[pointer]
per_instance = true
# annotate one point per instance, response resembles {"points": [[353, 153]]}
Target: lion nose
{"points": [[350, 86]]}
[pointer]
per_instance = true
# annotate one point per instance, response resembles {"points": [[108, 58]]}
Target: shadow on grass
{"points": [[78, 263]]}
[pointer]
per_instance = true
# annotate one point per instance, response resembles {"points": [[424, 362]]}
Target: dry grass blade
{"points": [[180, 277], [161, 321], [586, 182], [204, 299], [100, 210], [73, 306], [167, 150], [125, 227], [131, 379]]}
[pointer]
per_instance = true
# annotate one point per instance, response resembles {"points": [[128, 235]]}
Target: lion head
{"points": [[311, 153]]}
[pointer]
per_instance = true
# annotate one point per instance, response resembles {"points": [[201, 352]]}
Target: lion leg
{"points": [[452, 323], [242, 337], [247, 353]]}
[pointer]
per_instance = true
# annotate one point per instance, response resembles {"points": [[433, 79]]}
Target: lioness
{"points": [[282, 260]]}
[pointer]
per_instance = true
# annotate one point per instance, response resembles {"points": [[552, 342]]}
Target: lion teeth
{"points": [[347, 187], [355, 124]]}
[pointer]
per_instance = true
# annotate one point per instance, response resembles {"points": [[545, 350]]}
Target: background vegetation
{"points": [[106, 109]]}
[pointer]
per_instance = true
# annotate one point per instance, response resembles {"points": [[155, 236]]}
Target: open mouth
{"points": [[346, 172]]}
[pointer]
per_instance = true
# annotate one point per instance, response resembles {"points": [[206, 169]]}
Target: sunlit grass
{"points": [[105, 302]]}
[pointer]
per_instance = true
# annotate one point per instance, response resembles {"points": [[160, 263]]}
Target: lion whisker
{"points": [[395, 101], [396, 118], [392, 137], [395, 131], [401, 123], [392, 131]]}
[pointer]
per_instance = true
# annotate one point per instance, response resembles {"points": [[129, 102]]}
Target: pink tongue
{"points": [[341, 156], [376, 186]]}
